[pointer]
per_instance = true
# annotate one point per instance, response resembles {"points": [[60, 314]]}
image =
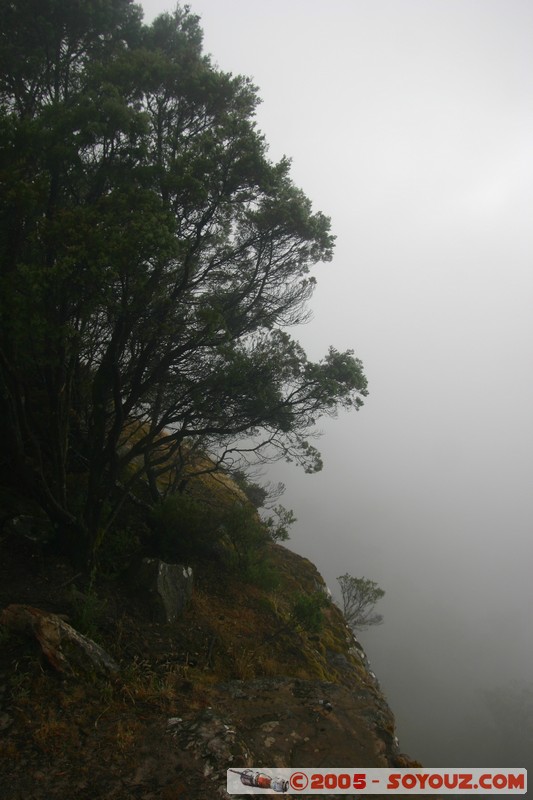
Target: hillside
{"points": [[153, 262], [240, 678]]}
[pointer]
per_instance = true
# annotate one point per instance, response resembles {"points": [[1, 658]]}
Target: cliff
{"points": [[239, 679]]}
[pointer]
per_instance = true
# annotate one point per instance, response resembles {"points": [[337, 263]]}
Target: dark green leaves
{"points": [[155, 256]]}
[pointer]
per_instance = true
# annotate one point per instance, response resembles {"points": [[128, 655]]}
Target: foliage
{"points": [[245, 533], [190, 529], [87, 611], [186, 528], [278, 525], [359, 596], [151, 257], [117, 551], [261, 572], [255, 493], [306, 611]]}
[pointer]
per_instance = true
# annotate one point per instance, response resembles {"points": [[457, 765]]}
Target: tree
{"points": [[152, 257], [359, 596], [277, 523]]}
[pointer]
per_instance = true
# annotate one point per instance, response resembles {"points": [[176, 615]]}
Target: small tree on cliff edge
{"points": [[359, 596]]}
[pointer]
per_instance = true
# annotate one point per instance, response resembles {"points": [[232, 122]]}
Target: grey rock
{"points": [[64, 647], [168, 588]]}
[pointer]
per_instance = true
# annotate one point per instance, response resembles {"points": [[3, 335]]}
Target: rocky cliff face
{"points": [[339, 718], [235, 681]]}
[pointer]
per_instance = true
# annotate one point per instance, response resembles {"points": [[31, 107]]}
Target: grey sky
{"points": [[409, 123]]}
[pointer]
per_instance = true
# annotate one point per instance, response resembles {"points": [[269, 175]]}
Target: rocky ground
{"points": [[233, 682]]}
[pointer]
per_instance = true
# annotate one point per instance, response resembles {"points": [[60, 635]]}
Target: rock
{"points": [[279, 722], [168, 588], [210, 740], [327, 723], [63, 646]]}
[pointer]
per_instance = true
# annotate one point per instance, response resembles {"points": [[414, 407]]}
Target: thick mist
{"points": [[409, 123]]}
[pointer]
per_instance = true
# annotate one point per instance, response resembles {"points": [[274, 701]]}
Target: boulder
{"points": [[167, 588], [65, 648]]}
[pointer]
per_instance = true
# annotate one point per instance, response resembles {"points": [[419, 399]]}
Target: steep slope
{"points": [[238, 680]]}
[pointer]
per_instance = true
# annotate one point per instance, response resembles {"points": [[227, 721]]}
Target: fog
{"points": [[409, 123]]}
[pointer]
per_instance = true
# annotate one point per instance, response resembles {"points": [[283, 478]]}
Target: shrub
{"points": [[245, 534], [87, 611], [116, 552], [261, 572], [307, 611], [186, 528]]}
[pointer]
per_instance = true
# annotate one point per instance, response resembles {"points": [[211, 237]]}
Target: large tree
{"points": [[152, 257]]}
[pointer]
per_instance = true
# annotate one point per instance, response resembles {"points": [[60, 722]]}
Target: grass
{"points": [[230, 630]]}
